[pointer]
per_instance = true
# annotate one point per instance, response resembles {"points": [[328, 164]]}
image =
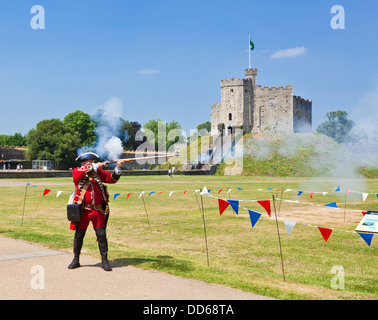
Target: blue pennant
{"points": [[235, 205], [254, 216]]}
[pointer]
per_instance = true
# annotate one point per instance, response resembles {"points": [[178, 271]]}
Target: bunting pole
{"points": [[145, 209], [204, 228], [279, 239], [23, 209], [279, 206]]}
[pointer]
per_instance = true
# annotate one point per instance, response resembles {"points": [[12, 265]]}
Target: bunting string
{"points": [[223, 204]]}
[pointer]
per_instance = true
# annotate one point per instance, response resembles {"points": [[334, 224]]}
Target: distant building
{"points": [[257, 109]]}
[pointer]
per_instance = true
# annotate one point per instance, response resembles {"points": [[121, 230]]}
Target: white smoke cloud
{"points": [[108, 116]]}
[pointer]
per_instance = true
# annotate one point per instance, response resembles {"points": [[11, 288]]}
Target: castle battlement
{"points": [[288, 87], [302, 99], [234, 82]]}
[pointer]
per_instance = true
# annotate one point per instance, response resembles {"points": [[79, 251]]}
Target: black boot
{"points": [[78, 243], [103, 246]]}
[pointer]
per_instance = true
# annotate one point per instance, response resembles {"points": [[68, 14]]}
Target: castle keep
{"points": [[256, 109]]}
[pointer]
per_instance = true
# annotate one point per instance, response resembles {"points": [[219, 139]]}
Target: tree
{"points": [[337, 127], [81, 122], [17, 140], [163, 133], [206, 125], [52, 140], [128, 132]]}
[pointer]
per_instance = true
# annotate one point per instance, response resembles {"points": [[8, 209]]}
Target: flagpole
{"points": [[249, 51]]}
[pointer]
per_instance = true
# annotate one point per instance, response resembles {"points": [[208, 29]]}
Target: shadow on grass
{"points": [[159, 263]]}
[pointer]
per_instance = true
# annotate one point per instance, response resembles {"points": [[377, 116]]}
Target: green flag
{"points": [[251, 45]]}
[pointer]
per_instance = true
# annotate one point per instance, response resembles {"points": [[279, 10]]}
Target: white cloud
{"points": [[148, 71], [291, 52]]}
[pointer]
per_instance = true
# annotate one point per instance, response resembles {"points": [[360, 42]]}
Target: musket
{"points": [[141, 158]]}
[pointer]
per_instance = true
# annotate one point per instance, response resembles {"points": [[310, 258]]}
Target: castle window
{"points": [[271, 100], [231, 90], [230, 116]]}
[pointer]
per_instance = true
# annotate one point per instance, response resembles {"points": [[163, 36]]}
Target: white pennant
{"points": [[58, 193], [364, 196], [289, 225], [141, 193], [228, 191], [324, 193], [204, 191], [170, 193]]}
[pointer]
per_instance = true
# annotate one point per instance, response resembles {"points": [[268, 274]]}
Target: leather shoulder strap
{"points": [[84, 190]]}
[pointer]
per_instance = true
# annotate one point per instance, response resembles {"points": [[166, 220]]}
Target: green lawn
{"points": [[239, 256]]}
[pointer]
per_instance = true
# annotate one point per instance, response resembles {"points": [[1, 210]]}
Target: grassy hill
{"points": [[306, 155]]}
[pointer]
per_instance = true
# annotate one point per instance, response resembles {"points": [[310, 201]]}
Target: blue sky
{"points": [[165, 59]]}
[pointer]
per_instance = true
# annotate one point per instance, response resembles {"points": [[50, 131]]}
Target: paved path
{"points": [[25, 267]]}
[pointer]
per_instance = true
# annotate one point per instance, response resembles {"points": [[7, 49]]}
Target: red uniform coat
{"points": [[93, 193], [79, 173]]}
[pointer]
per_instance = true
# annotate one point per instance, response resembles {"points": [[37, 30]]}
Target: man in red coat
{"points": [[95, 204]]}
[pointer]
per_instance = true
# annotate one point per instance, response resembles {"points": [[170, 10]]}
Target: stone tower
{"points": [[253, 108]]}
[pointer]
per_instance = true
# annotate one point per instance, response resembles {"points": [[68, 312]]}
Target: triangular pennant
{"points": [[287, 190], [116, 195], [223, 205], [337, 189], [46, 191], [220, 191], [364, 196], [311, 194], [141, 194], [129, 194], [204, 191], [289, 225], [331, 205], [151, 193], [235, 205], [229, 190], [160, 192], [326, 233], [254, 216], [185, 191], [367, 237], [266, 205], [58, 193], [364, 212], [170, 193], [209, 190], [239, 189], [324, 193], [300, 192], [347, 192]]}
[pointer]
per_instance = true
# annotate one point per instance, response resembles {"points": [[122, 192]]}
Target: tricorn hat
{"points": [[87, 156]]}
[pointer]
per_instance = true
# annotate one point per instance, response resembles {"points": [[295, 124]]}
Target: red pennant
{"points": [[326, 233], [266, 205], [129, 194], [220, 191], [46, 192], [311, 194], [364, 212], [222, 205], [348, 192], [185, 191], [160, 192]]}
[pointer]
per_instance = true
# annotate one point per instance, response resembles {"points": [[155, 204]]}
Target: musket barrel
{"points": [[141, 158]]}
